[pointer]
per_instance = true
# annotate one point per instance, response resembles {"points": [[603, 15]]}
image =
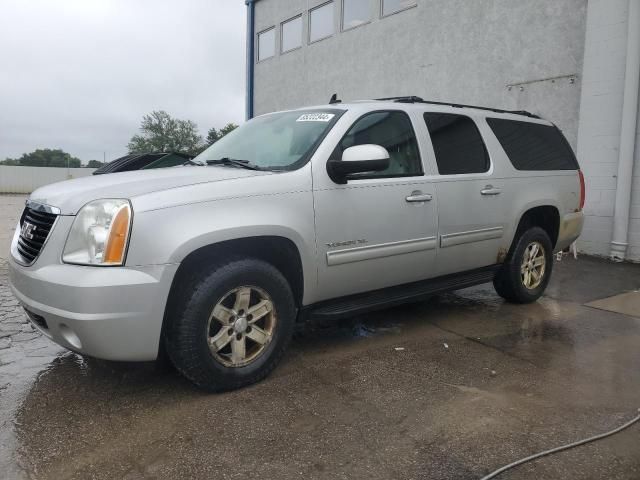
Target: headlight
{"points": [[99, 234]]}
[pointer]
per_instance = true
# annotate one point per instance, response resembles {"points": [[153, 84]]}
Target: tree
{"points": [[45, 157], [94, 164], [162, 133], [214, 135]]}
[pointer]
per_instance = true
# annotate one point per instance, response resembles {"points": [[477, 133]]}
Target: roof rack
{"points": [[414, 99]]}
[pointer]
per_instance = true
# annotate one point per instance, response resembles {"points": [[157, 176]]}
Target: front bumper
{"points": [[113, 313]]}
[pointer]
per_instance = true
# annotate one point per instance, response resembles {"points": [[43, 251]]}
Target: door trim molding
{"points": [[382, 250], [460, 238]]}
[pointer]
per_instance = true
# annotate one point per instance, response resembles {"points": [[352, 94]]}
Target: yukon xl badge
{"points": [[27, 230], [346, 243]]}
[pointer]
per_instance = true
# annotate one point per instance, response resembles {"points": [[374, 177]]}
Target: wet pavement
{"points": [[10, 210], [451, 388]]}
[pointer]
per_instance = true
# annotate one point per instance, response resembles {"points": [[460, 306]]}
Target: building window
{"points": [[457, 143], [321, 24], [393, 6], [355, 13], [291, 36], [393, 131], [267, 44]]}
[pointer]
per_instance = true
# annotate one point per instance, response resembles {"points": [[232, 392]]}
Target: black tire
{"points": [[186, 337], [508, 281]]}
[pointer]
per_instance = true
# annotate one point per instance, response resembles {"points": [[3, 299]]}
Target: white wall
{"points": [[464, 51], [600, 127], [27, 179]]}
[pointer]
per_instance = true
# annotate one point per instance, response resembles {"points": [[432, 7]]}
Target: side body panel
{"points": [[278, 205], [471, 226], [368, 235], [525, 190], [558, 189], [477, 230]]}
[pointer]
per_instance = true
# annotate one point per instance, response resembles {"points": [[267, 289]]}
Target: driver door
{"points": [[378, 230]]}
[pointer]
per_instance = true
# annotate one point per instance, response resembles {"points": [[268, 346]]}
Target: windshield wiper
{"points": [[234, 162]]}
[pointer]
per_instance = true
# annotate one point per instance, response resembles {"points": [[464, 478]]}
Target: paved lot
{"points": [[446, 389]]}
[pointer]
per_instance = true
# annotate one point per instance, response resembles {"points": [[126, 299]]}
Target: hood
{"points": [[71, 195]]}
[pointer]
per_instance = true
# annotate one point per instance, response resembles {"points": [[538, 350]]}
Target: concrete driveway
{"points": [[451, 388]]}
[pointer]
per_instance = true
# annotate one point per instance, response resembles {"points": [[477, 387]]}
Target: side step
{"points": [[388, 297]]}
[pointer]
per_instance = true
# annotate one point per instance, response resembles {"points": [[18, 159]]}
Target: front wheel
{"points": [[232, 328], [525, 275]]}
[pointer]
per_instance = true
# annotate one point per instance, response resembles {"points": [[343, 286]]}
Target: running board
{"points": [[388, 297]]}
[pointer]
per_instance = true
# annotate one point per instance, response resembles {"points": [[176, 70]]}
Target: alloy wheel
{"points": [[241, 326], [534, 262]]}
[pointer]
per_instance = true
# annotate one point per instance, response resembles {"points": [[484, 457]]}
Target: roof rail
{"points": [[414, 99]]}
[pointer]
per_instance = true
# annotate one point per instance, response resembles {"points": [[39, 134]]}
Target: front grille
{"points": [[35, 226]]}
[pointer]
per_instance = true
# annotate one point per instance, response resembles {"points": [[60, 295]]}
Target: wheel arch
{"points": [[545, 215], [279, 251]]}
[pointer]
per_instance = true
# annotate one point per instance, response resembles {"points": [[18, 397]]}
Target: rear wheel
{"points": [[525, 275], [232, 328]]}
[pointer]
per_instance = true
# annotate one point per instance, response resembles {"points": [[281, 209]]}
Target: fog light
{"points": [[70, 336]]}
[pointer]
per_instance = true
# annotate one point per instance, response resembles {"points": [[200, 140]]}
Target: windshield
{"points": [[278, 141]]}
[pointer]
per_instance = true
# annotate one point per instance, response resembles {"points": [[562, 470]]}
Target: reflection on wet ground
{"points": [[449, 388]]}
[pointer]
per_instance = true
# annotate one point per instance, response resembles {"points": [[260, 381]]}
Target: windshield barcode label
{"points": [[315, 117]]}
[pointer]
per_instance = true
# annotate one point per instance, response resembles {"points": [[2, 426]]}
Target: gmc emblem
{"points": [[27, 230]]}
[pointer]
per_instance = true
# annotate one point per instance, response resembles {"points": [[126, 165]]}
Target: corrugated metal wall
{"points": [[27, 179]]}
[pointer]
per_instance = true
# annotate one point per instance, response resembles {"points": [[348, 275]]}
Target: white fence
{"points": [[27, 179]]}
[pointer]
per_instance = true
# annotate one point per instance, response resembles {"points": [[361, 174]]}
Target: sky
{"points": [[80, 74]]}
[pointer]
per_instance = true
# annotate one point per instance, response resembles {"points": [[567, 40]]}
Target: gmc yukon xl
{"points": [[326, 211]]}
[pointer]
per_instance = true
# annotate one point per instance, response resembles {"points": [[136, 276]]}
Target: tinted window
{"points": [[355, 12], [392, 6], [291, 34], [457, 143], [266, 44], [321, 22], [532, 146], [393, 131]]}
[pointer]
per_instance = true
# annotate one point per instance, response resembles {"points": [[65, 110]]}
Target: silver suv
{"points": [[326, 211]]}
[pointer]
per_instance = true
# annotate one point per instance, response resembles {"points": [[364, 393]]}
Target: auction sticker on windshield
{"points": [[315, 117]]}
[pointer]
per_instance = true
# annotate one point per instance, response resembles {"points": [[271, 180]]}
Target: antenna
{"points": [[334, 99]]}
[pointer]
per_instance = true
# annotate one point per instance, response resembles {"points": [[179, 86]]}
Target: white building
{"points": [[574, 62]]}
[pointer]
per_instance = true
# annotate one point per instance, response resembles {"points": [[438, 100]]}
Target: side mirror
{"points": [[358, 159]]}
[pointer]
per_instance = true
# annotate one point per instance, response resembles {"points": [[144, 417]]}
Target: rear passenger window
{"points": [[532, 146], [457, 143], [393, 131]]}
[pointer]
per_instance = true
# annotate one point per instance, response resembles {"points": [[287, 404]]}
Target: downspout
{"points": [[251, 9], [619, 242]]}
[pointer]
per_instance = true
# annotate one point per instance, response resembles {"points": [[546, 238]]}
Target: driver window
{"points": [[391, 130]]}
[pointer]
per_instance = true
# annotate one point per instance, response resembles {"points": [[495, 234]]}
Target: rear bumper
{"points": [[570, 229], [108, 313]]}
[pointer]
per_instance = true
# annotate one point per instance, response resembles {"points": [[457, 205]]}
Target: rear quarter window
{"points": [[533, 146]]}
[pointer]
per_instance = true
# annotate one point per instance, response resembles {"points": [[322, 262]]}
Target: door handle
{"points": [[490, 190], [419, 197]]}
